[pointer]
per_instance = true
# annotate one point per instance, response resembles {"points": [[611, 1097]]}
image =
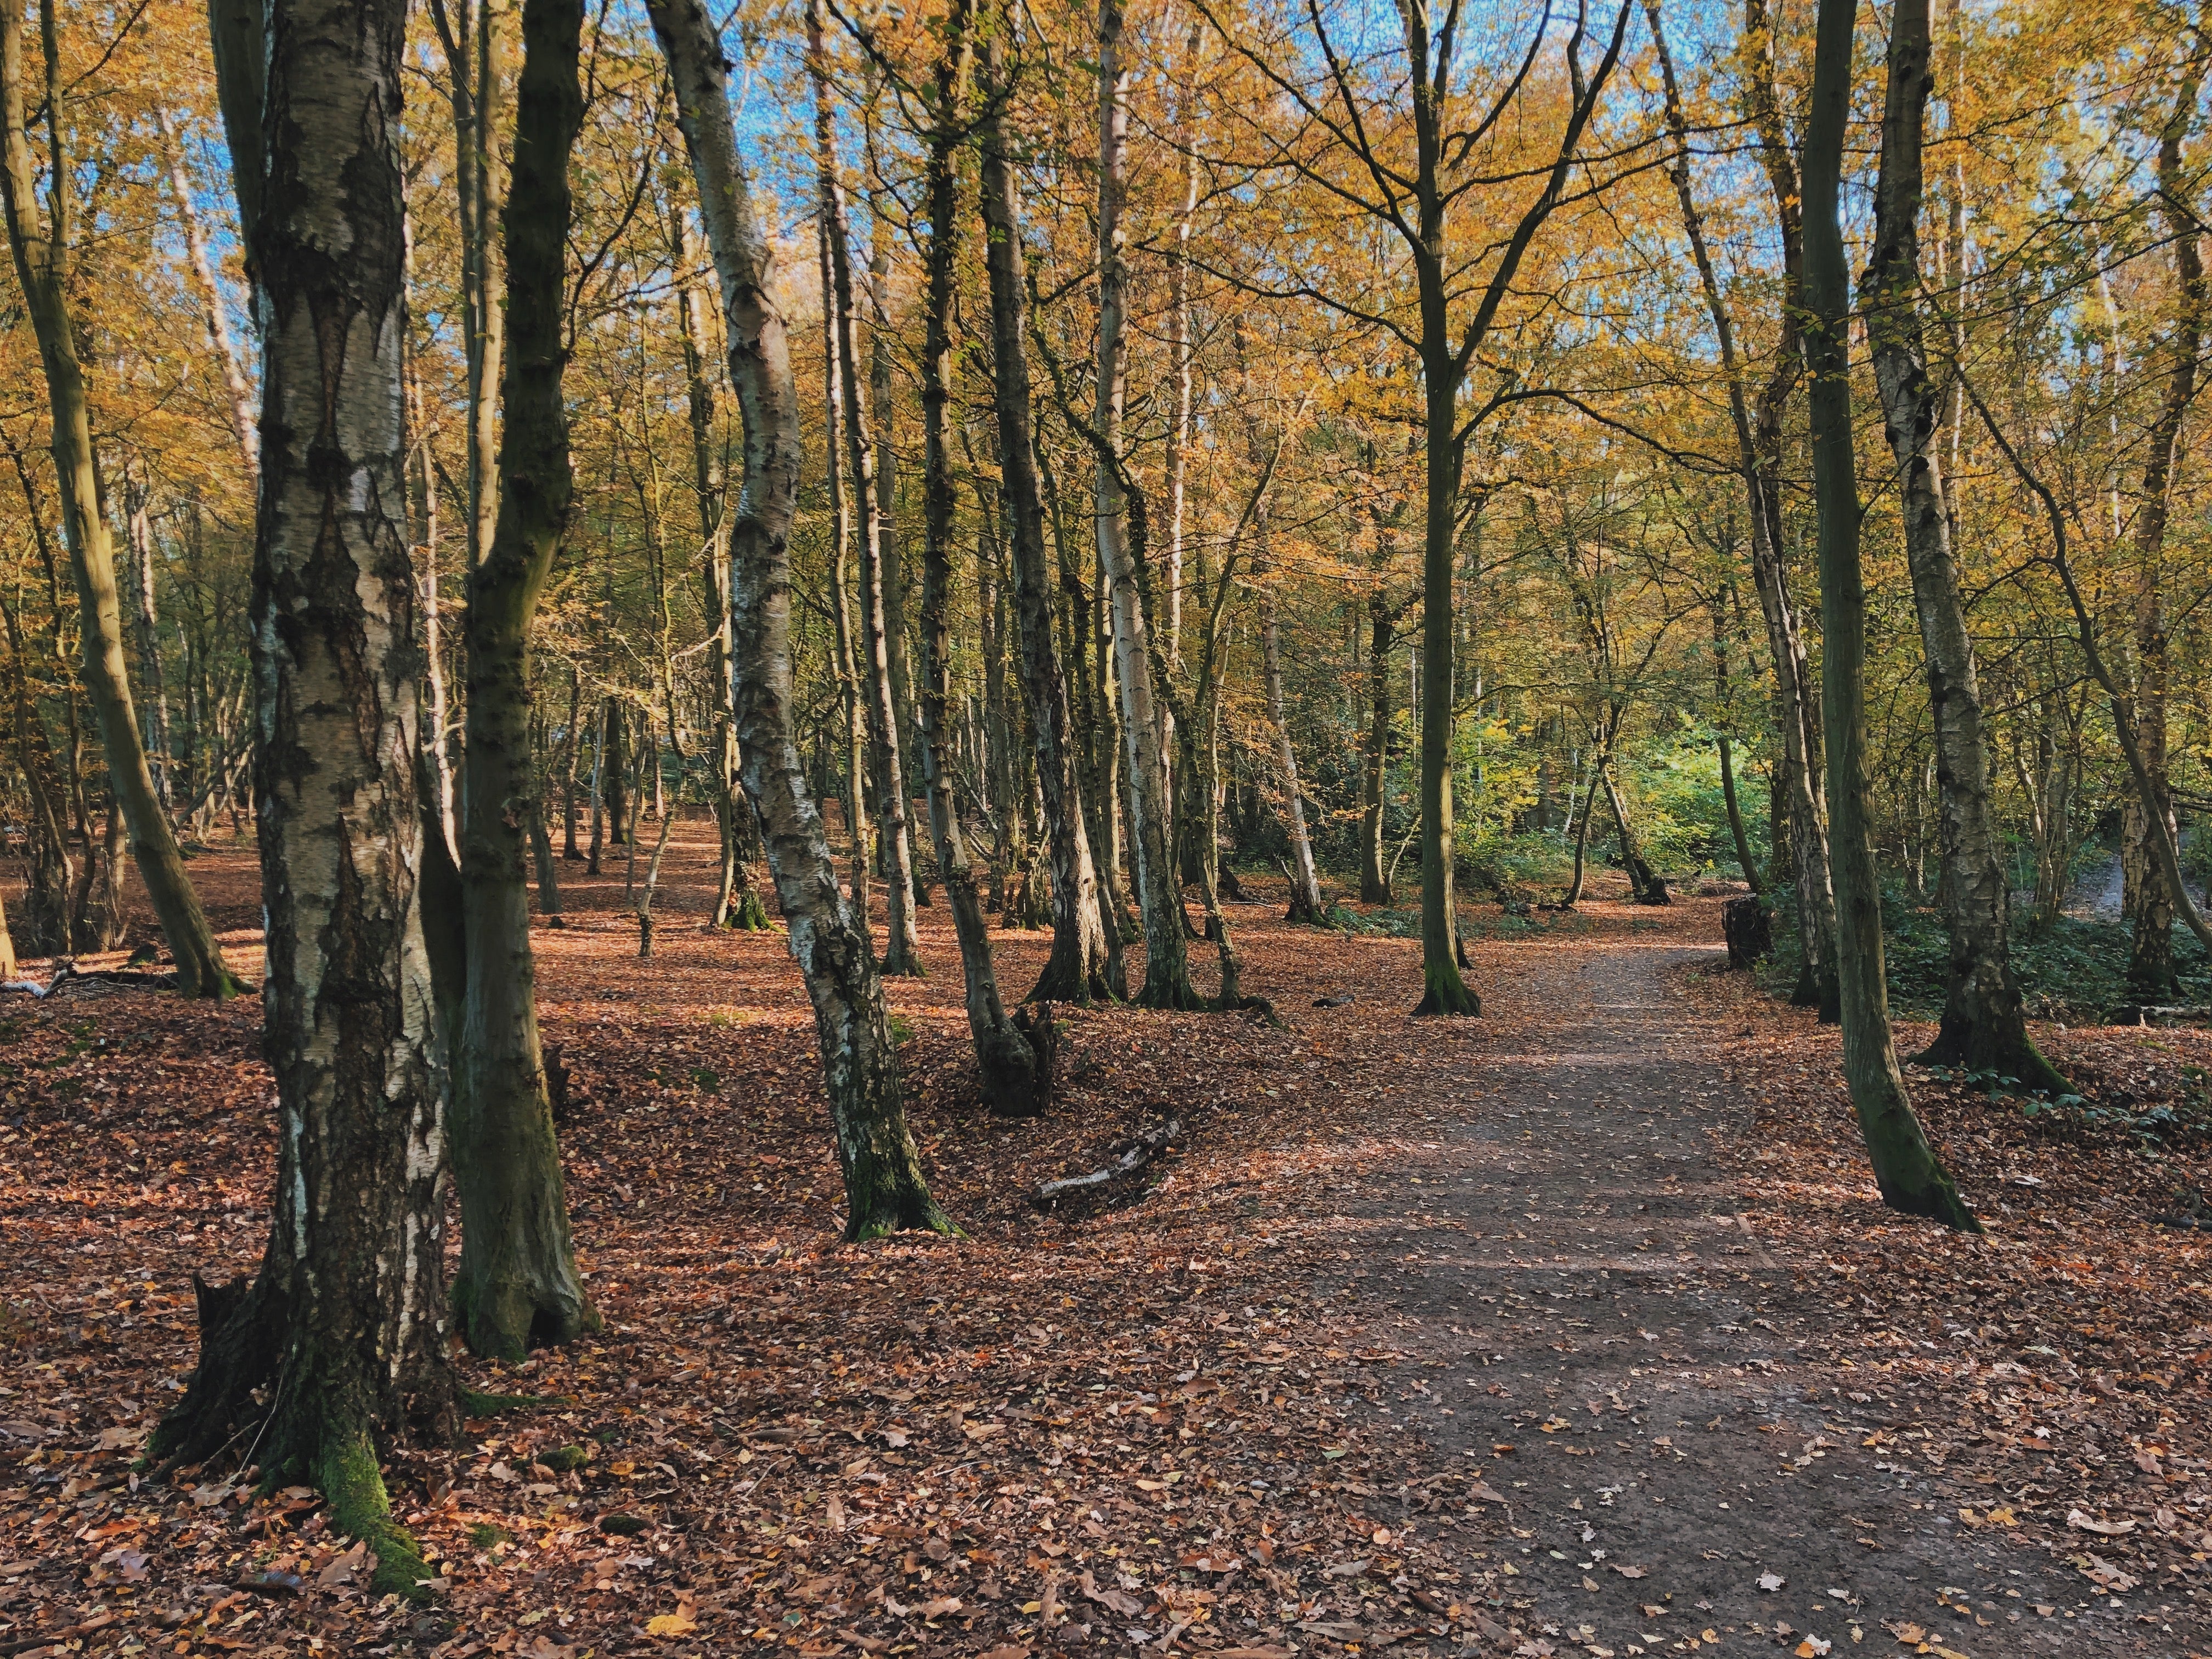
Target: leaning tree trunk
{"points": [[884, 1187], [1644, 885], [736, 897], [1076, 971], [1904, 1166], [341, 1340], [1160, 901], [41, 252], [1004, 1056], [871, 642], [1984, 1027], [517, 1285]]}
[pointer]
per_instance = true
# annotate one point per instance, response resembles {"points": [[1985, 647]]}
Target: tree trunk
{"points": [[572, 748], [1725, 700], [614, 767], [871, 642], [2147, 817], [517, 1285], [1167, 969], [1305, 882], [1904, 1166], [1443, 990], [476, 69], [51, 873], [1076, 971], [1982, 1028], [1574, 893], [1643, 886], [1374, 881], [215, 316], [146, 624], [341, 1338], [41, 252], [840, 546], [1759, 445], [1007, 1063], [884, 1187]]}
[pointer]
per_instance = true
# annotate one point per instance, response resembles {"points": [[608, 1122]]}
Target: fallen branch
{"points": [[2155, 1014], [1140, 1151]]}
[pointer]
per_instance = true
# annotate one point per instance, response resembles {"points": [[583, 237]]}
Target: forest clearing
{"points": [[1242, 827]]}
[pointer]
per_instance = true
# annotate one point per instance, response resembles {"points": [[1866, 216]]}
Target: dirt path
{"points": [[1677, 1452]]}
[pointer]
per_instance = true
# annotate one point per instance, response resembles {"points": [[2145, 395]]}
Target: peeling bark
{"points": [[884, 1187]]}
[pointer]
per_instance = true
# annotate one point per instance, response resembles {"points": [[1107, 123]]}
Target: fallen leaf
{"points": [[670, 1623], [1813, 1647], [1113, 1600], [1771, 1581], [1631, 1573], [2086, 1523]]}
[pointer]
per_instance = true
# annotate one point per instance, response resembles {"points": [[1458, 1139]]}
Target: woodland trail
{"points": [[1252, 1403], [1649, 1391]]}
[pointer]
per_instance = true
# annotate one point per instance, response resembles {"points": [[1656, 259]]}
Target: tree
{"points": [[341, 1339], [1983, 1028], [517, 1284], [1159, 899], [41, 247], [1413, 195], [1003, 1053], [871, 642], [1076, 969], [1904, 1166], [885, 1188], [1758, 430]]}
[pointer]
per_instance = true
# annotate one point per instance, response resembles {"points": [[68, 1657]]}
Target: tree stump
{"points": [[1748, 928]]}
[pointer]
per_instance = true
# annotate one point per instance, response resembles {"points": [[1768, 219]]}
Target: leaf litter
{"points": [[1157, 1424]]}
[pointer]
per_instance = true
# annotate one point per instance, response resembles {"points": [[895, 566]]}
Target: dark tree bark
{"points": [[1007, 1063], [1904, 1166], [884, 1187], [341, 1338], [1076, 971], [517, 1285], [613, 774], [1983, 1026]]}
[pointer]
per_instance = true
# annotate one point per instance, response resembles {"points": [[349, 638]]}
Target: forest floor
{"points": [[1574, 1329]]}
